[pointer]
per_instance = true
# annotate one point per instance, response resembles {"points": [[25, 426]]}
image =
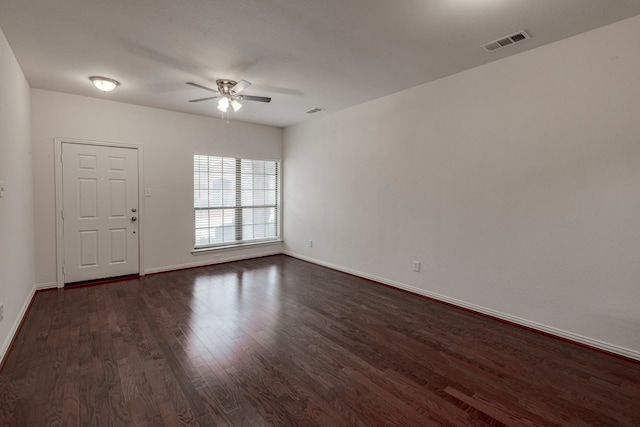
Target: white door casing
{"points": [[99, 211]]}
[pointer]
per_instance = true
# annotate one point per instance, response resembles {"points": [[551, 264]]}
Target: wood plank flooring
{"points": [[278, 341]]}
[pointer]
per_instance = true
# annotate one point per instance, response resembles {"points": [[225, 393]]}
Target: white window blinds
{"points": [[235, 200]]}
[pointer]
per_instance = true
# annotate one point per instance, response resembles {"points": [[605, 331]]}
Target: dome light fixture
{"points": [[105, 84]]}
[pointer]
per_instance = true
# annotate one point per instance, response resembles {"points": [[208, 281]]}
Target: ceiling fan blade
{"points": [[256, 98], [202, 87], [239, 87], [204, 99]]}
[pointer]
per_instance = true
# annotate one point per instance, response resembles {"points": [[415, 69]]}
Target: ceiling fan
{"points": [[229, 93]]}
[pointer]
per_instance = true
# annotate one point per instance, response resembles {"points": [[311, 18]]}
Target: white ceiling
{"points": [[304, 54]]}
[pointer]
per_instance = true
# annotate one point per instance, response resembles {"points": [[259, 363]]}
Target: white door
{"points": [[100, 211]]}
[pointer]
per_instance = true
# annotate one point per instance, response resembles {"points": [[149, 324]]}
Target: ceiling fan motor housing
{"points": [[224, 86]]}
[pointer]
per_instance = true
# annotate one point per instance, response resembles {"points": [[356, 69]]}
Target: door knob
{"points": [[134, 210], [133, 218]]}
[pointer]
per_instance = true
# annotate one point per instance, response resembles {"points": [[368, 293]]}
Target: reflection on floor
{"points": [[280, 341]]}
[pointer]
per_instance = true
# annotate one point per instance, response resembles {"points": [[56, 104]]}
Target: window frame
{"points": [[237, 208]]}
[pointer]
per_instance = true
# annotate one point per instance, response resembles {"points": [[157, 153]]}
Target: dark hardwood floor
{"points": [[278, 341]]}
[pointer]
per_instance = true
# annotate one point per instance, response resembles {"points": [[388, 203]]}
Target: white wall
{"points": [[515, 184], [16, 207], [169, 140]]}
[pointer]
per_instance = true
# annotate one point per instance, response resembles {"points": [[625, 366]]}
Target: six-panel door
{"points": [[100, 212]]}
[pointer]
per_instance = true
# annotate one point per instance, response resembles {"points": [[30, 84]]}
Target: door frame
{"points": [[57, 150]]}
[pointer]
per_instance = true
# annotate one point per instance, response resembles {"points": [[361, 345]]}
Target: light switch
{"points": [[147, 192], [2, 189]]}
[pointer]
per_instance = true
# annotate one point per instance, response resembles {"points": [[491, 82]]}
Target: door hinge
{"points": [[62, 214], [63, 270]]}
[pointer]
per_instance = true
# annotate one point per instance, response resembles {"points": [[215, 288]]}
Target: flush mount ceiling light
{"points": [[105, 84]]}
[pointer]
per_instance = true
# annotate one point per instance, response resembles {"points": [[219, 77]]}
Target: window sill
{"points": [[209, 249]]}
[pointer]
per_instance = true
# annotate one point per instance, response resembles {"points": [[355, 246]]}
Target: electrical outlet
{"points": [[310, 243], [1, 312], [416, 265]]}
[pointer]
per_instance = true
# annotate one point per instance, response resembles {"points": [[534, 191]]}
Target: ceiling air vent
{"points": [[506, 41], [315, 110]]}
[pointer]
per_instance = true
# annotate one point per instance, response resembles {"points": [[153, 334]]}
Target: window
{"points": [[235, 201]]}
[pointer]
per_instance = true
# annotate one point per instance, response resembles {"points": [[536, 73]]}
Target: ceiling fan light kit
{"points": [[223, 104], [235, 105], [229, 94]]}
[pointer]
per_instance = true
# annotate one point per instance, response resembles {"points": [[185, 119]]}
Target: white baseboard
{"points": [[601, 345], [16, 324], [213, 261], [44, 286]]}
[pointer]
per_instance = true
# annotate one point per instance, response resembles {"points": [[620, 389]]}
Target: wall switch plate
{"points": [[147, 192], [416, 265], [310, 243]]}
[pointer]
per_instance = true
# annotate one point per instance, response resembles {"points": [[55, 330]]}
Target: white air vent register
{"points": [[506, 41]]}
